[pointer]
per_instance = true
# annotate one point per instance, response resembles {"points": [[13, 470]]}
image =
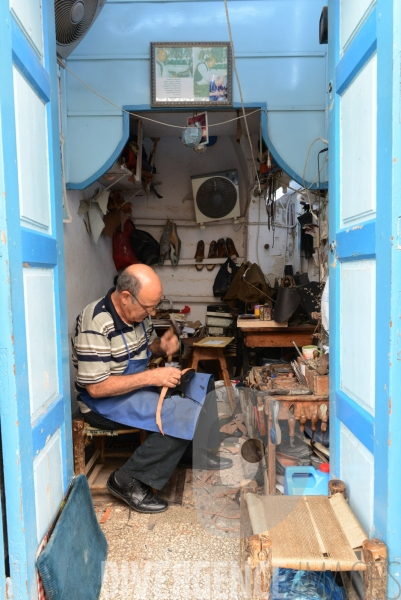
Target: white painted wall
{"points": [[175, 164], [89, 266], [284, 243]]}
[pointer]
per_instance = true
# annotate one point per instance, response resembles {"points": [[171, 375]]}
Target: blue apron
{"points": [[138, 408]]}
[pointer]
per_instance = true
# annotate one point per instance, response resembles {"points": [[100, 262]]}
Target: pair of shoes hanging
{"points": [[170, 244], [225, 248], [200, 254]]}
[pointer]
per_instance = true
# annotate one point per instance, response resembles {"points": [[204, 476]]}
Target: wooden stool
{"points": [[273, 530], [215, 353], [81, 434]]}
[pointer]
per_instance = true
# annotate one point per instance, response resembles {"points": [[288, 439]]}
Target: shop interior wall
{"points": [[90, 269], [175, 164]]}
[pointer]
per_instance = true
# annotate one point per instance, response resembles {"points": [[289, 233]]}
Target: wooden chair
{"points": [[82, 434], [316, 533]]}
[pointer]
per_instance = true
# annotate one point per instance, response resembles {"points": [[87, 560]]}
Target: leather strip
{"points": [[160, 405]]}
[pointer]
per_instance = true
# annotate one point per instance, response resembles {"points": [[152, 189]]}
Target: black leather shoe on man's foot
{"points": [[211, 462], [137, 495]]}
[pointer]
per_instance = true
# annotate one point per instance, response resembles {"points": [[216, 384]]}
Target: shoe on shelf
{"points": [[165, 242], [222, 248], [212, 254], [137, 495], [175, 245], [210, 461], [200, 254], [231, 249]]}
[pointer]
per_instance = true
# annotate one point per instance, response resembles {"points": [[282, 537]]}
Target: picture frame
{"points": [[197, 74]]}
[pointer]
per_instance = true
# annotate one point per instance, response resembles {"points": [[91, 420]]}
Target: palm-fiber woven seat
{"points": [[308, 532], [316, 533]]}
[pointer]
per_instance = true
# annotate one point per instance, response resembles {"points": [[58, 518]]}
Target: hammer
{"points": [[175, 327]]}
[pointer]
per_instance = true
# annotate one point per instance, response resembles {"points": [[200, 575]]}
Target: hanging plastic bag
{"points": [[224, 277], [123, 254], [288, 584], [145, 247], [287, 300]]}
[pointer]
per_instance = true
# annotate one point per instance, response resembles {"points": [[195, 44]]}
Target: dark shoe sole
{"points": [[121, 497]]}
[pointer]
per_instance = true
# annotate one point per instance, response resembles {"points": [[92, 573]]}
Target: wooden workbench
{"points": [[264, 336]]}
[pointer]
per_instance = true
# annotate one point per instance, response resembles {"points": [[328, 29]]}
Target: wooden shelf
{"points": [[188, 262], [149, 222]]}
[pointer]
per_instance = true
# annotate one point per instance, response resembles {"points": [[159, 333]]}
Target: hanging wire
{"points": [[242, 99], [141, 116]]}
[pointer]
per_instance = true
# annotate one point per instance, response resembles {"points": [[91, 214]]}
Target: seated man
{"points": [[114, 339]]}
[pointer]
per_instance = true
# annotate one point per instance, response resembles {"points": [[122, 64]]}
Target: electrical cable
{"points": [[318, 175], [128, 112], [318, 171], [240, 227], [241, 97], [307, 156], [257, 237]]}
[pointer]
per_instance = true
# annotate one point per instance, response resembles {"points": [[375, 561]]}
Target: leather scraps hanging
{"points": [[129, 158], [93, 210]]}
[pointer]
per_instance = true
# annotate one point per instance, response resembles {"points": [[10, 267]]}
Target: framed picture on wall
{"points": [[191, 74]]}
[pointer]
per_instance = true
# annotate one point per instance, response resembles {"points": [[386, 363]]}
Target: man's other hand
{"points": [[169, 343], [165, 377]]}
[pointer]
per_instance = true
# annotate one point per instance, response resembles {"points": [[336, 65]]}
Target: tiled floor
{"points": [[187, 552]]}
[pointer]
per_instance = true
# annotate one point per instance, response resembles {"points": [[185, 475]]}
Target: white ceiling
{"points": [[218, 117]]}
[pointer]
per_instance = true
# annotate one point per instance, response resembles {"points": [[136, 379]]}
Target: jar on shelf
{"points": [[265, 312]]}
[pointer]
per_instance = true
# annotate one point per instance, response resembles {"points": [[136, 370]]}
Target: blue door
{"points": [[365, 297], [35, 416]]}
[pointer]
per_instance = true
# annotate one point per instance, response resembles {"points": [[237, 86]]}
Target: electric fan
{"points": [[216, 196]]}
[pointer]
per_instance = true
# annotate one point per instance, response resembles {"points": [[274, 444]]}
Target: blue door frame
{"points": [[375, 241], [25, 435]]}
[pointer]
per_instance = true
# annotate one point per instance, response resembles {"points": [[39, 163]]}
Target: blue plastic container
{"points": [[307, 481]]}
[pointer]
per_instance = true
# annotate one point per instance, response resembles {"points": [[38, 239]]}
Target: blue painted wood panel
{"points": [[38, 249], [27, 61], [358, 53], [30, 19], [280, 63], [357, 472], [357, 241], [353, 268], [368, 434], [35, 412]]}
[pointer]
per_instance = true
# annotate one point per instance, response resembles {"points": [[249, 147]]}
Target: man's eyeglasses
{"points": [[147, 308]]}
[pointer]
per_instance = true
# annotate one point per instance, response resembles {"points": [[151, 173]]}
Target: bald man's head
{"points": [[137, 278]]}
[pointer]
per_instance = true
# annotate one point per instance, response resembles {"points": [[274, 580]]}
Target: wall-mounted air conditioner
{"points": [[216, 196]]}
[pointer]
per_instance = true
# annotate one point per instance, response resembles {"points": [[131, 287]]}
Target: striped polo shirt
{"points": [[98, 348]]}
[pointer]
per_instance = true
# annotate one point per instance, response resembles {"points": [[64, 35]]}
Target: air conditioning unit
{"points": [[216, 196], [74, 18]]}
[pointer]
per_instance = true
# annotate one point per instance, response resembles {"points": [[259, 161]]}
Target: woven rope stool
{"points": [[316, 533]]}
